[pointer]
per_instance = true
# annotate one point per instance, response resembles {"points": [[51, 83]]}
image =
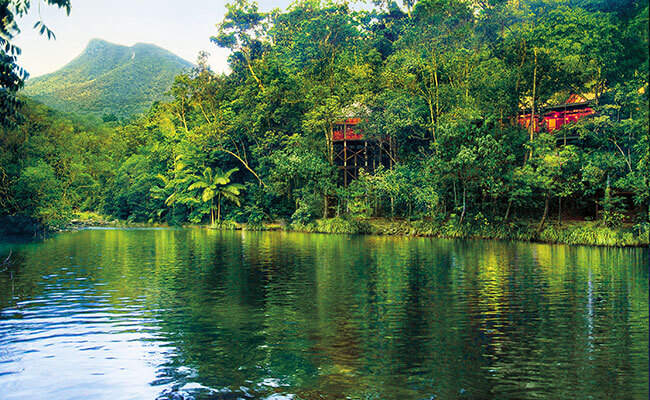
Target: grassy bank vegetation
{"points": [[578, 233], [593, 233], [574, 233]]}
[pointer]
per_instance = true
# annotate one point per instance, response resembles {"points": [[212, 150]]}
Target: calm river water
{"points": [[182, 314]]}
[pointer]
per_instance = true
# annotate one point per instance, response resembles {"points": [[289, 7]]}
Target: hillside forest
{"points": [[441, 81], [109, 81]]}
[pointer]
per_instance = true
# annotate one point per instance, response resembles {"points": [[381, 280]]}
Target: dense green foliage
{"points": [[52, 164], [441, 80], [109, 80], [12, 76]]}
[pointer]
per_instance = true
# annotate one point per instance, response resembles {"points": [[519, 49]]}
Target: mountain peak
{"points": [[98, 41], [109, 78], [100, 44], [140, 44]]}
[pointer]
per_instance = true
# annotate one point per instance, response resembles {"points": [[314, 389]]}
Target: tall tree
{"points": [[217, 184]]}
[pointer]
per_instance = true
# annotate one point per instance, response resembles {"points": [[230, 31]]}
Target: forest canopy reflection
{"points": [[322, 316]]}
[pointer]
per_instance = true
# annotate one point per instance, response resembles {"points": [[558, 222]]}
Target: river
{"points": [[200, 314]]}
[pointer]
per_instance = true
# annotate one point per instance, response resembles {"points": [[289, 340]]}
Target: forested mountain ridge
{"points": [[109, 79]]}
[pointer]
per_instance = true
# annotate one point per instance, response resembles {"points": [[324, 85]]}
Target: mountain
{"points": [[108, 78]]}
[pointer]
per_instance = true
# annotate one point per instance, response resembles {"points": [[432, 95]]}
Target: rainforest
{"points": [[454, 106]]}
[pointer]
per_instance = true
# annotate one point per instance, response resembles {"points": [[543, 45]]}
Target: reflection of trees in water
{"points": [[542, 304], [333, 316]]}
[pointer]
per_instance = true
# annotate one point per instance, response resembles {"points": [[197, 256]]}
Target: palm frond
{"points": [[198, 185], [171, 199], [163, 178], [208, 194], [230, 172], [231, 197], [232, 189]]}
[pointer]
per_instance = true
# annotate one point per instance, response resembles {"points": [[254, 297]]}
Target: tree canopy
{"points": [[442, 81]]}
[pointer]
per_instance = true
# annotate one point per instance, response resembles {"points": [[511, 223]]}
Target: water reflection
{"points": [[164, 313]]}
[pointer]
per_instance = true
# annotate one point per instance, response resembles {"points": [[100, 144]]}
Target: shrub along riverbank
{"points": [[575, 232], [581, 233], [592, 233]]}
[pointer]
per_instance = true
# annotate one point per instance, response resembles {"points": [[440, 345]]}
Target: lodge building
{"points": [[554, 117], [353, 152]]}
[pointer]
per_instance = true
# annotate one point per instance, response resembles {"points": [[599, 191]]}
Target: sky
{"points": [[183, 27]]}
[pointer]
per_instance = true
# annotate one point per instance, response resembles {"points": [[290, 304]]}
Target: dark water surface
{"points": [[145, 314]]}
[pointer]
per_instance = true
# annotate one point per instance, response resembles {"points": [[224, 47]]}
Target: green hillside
{"points": [[107, 78]]}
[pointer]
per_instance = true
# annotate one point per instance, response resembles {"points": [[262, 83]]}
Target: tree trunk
{"points": [[244, 163], [212, 211], [462, 215], [559, 212], [247, 57], [541, 224], [533, 122], [219, 209], [435, 76], [433, 126], [455, 197], [329, 139], [508, 210]]}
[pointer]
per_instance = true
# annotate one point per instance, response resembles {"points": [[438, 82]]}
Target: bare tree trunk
{"points": [[435, 77], [508, 210], [533, 121], [462, 215], [247, 57], [541, 224], [245, 164], [329, 139], [455, 197], [219, 209], [212, 211], [433, 126]]}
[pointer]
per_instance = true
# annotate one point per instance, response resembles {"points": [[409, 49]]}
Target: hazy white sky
{"points": [[183, 27]]}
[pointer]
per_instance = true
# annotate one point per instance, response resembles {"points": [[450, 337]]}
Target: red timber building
{"points": [[353, 152], [552, 118]]}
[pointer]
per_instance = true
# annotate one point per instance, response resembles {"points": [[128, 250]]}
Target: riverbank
{"points": [[573, 232], [106, 223], [579, 233], [592, 233], [26, 227]]}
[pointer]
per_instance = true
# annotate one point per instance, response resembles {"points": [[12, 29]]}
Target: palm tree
{"points": [[174, 189], [218, 185]]}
